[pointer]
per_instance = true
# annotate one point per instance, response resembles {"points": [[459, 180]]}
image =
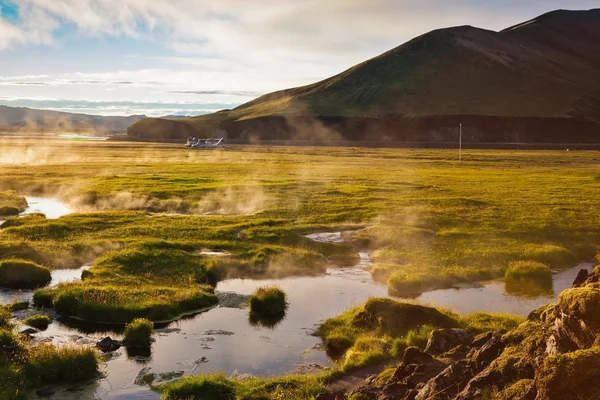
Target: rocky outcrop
{"points": [[554, 355], [443, 340]]}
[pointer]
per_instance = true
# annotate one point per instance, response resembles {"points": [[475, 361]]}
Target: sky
{"points": [[189, 57]]}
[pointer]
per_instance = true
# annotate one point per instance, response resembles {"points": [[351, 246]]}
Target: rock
{"points": [[457, 353], [107, 344], [214, 332], [577, 322], [413, 355], [481, 339], [75, 389], [497, 377], [144, 377], [490, 350], [447, 383], [581, 277], [442, 340], [28, 331], [45, 391]]}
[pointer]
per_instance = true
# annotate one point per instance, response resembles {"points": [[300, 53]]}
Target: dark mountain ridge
{"points": [[538, 81]]}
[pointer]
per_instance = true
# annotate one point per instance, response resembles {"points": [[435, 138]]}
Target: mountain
{"points": [[29, 119], [538, 81]]}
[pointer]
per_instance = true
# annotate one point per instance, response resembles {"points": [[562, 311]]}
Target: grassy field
{"points": [[146, 212]]}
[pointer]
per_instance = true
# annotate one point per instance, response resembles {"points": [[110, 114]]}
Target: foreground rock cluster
{"points": [[554, 355]]}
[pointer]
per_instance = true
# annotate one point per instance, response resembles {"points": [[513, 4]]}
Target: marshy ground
{"points": [[162, 225]]}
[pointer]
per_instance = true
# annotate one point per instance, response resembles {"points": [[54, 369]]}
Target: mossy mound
{"points": [[582, 303], [11, 203], [39, 321], [528, 270], [268, 300], [22, 274], [204, 387], [571, 376], [393, 318]]}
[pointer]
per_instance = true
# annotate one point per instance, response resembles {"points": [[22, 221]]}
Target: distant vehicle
{"points": [[205, 143]]}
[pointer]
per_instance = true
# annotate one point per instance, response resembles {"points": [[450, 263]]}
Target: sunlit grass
{"points": [[431, 221]]}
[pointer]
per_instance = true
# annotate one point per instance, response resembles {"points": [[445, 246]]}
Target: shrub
{"points": [[49, 364], [138, 333], [21, 274], [268, 300], [215, 387], [39, 321]]}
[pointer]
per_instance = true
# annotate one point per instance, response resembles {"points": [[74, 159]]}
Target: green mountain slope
{"points": [[546, 68]]}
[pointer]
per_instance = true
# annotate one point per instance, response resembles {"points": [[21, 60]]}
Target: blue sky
{"points": [[158, 57]]}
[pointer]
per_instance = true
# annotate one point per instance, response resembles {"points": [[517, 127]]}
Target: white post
{"points": [[460, 144]]}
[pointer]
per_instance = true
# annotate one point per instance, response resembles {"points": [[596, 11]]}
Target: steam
{"points": [[35, 155], [233, 201]]}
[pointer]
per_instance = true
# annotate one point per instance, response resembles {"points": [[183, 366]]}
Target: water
{"points": [[224, 339], [52, 208], [58, 276]]}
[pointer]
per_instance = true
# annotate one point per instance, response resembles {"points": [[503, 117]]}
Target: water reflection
{"points": [[529, 288], [266, 321]]}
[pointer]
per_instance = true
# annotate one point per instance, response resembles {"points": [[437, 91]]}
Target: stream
{"points": [[224, 339]]}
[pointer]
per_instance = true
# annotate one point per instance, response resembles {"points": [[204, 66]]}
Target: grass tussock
{"points": [[528, 270], [24, 367], [22, 274], [138, 333], [268, 300], [38, 321]]}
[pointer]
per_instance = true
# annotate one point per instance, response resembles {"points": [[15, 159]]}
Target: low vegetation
{"points": [[38, 321], [138, 333], [268, 300], [528, 270], [24, 367], [11, 203], [22, 274], [217, 387], [147, 211], [382, 329]]}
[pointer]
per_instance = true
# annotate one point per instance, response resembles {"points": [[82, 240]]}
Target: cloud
{"points": [[225, 92]]}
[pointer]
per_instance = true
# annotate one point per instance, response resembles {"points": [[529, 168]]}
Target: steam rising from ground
{"points": [[225, 201], [34, 155]]}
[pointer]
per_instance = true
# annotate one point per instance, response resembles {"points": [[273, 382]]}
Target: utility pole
{"points": [[460, 144]]}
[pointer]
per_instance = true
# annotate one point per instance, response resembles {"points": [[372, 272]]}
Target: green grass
{"points": [[138, 333], [431, 221], [5, 318], [382, 329], [528, 270], [268, 300], [218, 387], [24, 367], [23, 274], [11, 203], [38, 321]]}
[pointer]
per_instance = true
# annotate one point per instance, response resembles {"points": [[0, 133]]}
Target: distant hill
{"points": [[538, 81], [29, 119]]}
